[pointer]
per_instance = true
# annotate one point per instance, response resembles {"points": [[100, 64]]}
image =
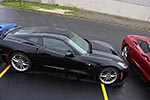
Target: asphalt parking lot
{"points": [[37, 85]]}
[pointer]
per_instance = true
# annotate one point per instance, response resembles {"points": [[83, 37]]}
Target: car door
{"points": [[145, 56], [53, 54], [36, 42], [141, 56]]}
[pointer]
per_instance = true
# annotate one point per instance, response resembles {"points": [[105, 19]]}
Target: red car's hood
{"points": [[137, 37]]}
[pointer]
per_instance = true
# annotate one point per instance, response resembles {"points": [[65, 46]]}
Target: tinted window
{"points": [[56, 45], [35, 40], [144, 46], [26, 31]]}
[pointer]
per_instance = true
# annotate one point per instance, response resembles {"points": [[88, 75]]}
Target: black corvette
{"points": [[61, 49]]}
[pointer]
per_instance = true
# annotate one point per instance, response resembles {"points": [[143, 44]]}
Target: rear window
{"points": [[32, 30], [25, 31]]}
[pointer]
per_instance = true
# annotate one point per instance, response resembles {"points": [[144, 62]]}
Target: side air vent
{"points": [[29, 43]]}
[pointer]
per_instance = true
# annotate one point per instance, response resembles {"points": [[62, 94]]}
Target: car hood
{"points": [[104, 55], [102, 50]]}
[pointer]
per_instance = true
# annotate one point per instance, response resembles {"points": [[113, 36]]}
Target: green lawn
{"points": [[32, 5]]}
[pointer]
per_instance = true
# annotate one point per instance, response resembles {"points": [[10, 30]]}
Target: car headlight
{"points": [[122, 64]]}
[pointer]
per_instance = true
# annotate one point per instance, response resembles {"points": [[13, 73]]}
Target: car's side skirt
{"points": [[69, 70]]}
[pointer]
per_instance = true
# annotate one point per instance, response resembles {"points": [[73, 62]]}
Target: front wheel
{"points": [[125, 51], [20, 62], [108, 75]]}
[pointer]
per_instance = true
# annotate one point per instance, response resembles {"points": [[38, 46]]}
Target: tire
{"points": [[108, 75], [20, 62], [125, 51]]}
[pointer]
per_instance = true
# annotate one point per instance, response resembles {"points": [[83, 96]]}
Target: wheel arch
{"points": [[124, 45], [102, 67], [18, 51], [119, 70]]}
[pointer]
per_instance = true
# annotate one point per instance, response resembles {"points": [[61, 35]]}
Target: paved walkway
{"points": [[118, 21]]}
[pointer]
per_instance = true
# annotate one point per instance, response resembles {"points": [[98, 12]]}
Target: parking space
{"points": [[134, 88], [3, 68], [54, 85], [44, 85], [37, 85]]}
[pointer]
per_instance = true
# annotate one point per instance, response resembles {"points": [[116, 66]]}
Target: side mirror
{"points": [[146, 57], [69, 54]]}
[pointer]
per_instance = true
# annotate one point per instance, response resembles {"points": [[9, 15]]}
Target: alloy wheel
{"points": [[125, 51], [108, 75], [20, 62]]}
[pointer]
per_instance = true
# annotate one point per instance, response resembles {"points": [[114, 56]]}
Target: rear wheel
{"points": [[20, 62], [108, 75]]}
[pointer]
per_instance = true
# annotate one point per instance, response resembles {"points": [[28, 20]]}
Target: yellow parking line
{"points": [[104, 92], [4, 71]]}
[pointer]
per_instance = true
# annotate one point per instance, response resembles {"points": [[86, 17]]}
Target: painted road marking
{"points": [[104, 92], [102, 85], [5, 70]]}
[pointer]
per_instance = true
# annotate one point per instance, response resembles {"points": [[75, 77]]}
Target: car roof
{"points": [[44, 30], [147, 40]]}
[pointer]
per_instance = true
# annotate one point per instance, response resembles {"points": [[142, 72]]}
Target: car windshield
{"points": [[80, 44], [145, 46], [148, 51]]}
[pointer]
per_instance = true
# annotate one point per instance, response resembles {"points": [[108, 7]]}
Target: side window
{"points": [[144, 46], [56, 45], [34, 39]]}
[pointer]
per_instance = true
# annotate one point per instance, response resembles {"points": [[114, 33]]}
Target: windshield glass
{"points": [[80, 42], [144, 46], [148, 51]]}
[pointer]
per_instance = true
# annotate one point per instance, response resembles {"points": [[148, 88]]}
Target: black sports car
{"points": [[61, 49]]}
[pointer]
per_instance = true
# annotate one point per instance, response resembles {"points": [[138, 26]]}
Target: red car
{"points": [[136, 49]]}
